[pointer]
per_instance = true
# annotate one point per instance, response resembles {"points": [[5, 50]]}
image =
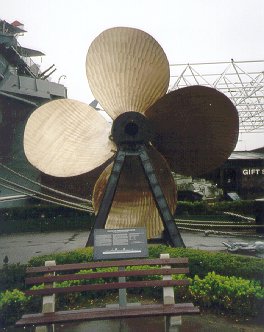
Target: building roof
{"points": [[17, 23], [28, 52], [8, 28], [246, 155], [259, 149]]}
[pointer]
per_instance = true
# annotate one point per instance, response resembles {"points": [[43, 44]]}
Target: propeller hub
{"points": [[131, 128]]}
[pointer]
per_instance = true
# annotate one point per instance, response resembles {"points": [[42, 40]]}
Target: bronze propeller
{"points": [[189, 131]]}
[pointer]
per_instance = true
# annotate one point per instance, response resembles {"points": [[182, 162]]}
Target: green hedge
{"points": [[38, 210], [240, 207], [202, 208], [201, 262], [46, 224], [191, 208], [41, 218], [12, 276], [75, 256]]}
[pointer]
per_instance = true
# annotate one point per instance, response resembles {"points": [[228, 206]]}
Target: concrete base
{"points": [[173, 324], [46, 328]]}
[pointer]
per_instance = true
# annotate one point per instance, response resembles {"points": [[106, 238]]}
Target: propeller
{"points": [[66, 138], [195, 128], [127, 70]]}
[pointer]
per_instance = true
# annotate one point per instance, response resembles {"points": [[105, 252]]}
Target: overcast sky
{"points": [[188, 30]]}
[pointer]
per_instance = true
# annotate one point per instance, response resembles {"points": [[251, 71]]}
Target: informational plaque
{"points": [[120, 243]]}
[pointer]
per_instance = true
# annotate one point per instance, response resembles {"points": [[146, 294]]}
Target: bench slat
{"points": [[108, 313], [107, 286], [93, 265], [95, 275]]}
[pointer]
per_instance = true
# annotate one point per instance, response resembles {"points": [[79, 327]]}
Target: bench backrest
{"points": [[149, 267]]}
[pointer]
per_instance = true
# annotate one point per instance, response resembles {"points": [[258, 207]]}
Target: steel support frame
{"points": [[172, 235]]}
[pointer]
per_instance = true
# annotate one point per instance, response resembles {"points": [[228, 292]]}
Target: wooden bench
{"points": [[165, 267]]}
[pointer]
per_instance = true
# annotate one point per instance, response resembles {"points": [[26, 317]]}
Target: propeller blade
{"points": [[127, 70], [67, 138], [133, 204], [196, 129]]}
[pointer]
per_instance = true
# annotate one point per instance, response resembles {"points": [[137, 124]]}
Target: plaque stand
{"points": [[122, 291], [122, 295]]}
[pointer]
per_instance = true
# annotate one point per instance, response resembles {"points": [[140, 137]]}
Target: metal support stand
{"points": [[108, 196], [172, 234], [122, 291]]}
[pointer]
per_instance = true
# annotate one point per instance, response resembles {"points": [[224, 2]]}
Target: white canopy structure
{"points": [[241, 81]]}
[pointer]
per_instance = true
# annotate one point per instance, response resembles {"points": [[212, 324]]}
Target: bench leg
{"points": [[48, 305], [172, 324]]}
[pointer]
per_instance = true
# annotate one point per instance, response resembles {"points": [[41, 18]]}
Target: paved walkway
{"points": [[21, 247]]}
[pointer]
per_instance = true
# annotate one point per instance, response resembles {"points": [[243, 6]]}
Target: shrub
{"points": [[12, 306], [12, 276], [75, 256], [204, 208], [201, 262], [241, 207], [41, 218], [51, 218], [229, 294], [192, 208]]}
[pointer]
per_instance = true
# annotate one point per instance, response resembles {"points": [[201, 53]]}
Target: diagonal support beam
{"points": [[172, 234], [108, 197]]}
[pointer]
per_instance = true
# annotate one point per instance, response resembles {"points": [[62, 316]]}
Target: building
{"points": [[23, 88], [242, 173]]}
